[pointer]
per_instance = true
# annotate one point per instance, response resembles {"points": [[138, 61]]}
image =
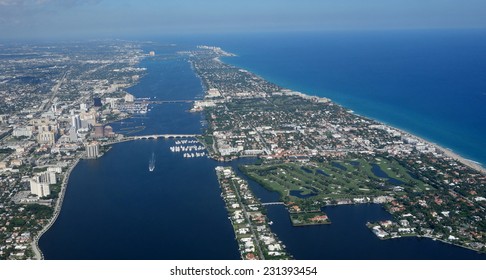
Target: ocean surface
{"points": [[115, 208]]}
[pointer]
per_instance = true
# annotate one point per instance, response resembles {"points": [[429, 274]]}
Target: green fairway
{"points": [[310, 183]]}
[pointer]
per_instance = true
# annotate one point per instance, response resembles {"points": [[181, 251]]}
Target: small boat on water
{"points": [[152, 163]]}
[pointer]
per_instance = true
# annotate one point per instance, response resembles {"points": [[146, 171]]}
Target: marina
{"points": [[189, 149]]}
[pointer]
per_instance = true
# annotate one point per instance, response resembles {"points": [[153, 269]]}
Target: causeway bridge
{"points": [[273, 203], [152, 136], [163, 101], [163, 136], [268, 203]]}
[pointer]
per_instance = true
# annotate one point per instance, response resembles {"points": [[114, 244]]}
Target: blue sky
{"points": [[117, 18]]}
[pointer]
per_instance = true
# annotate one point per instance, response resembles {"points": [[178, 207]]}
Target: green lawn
{"points": [[337, 179]]}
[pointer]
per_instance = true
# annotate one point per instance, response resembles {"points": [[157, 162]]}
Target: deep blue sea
{"points": [[116, 209], [430, 83]]}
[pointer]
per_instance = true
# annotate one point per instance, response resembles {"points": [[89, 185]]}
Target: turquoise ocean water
{"points": [[430, 83]]}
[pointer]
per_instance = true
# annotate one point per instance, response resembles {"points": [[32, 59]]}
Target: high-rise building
{"points": [[108, 131], [76, 122], [55, 169], [85, 125], [129, 98], [112, 102], [99, 131], [73, 136], [46, 137], [88, 118], [47, 177], [39, 189], [92, 150], [22, 131]]}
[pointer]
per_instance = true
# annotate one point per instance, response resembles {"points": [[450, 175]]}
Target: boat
{"points": [[152, 163]]}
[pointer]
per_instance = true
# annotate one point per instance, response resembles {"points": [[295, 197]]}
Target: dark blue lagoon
{"points": [[319, 171], [338, 165], [115, 208], [377, 171], [348, 238], [300, 195]]}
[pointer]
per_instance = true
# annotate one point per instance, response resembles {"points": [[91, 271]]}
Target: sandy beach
{"points": [[446, 152]]}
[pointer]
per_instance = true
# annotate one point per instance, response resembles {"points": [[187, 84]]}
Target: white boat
{"points": [[152, 163]]}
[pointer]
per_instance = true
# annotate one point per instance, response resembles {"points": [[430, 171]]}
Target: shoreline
{"points": [[38, 255], [433, 239], [443, 149], [478, 166], [446, 242], [57, 210]]}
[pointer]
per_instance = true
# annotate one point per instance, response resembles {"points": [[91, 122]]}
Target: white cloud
{"points": [[60, 3], [11, 2], [23, 13]]}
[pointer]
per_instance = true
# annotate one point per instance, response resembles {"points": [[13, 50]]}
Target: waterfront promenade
{"points": [[57, 210]]}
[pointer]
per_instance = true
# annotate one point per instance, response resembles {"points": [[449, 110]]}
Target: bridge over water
{"points": [[273, 203], [163, 136], [152, 136], [163, 101]]}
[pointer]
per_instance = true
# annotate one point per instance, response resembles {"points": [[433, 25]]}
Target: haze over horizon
{"points": [[34, 19]]}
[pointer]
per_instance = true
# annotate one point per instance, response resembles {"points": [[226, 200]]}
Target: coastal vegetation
{"points": [[336, 179], [309, 218]]}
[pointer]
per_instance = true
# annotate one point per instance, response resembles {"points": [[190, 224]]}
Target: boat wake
{"points": [[152, 163]]}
